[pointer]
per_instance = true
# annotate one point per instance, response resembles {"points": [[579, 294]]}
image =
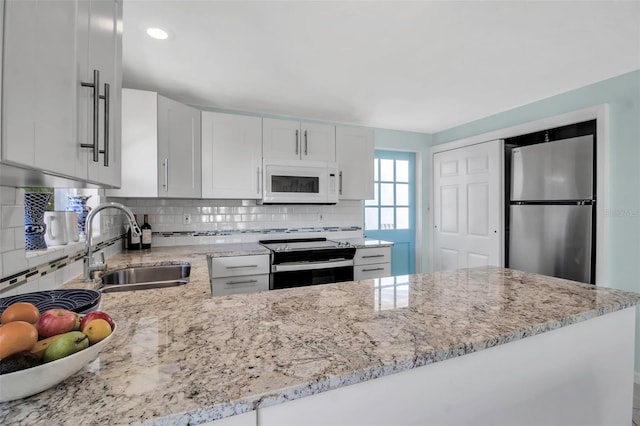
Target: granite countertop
{"points": [[365, 242], [181, 356]]}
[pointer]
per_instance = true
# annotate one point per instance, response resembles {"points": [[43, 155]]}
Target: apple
{"points": [[96, 315], [56, 321]]}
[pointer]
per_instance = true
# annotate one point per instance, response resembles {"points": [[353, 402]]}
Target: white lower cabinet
{"points": [[372, 262], [238, 274]]}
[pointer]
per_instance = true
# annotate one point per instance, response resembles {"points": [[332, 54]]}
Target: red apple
{"points": [[56, 321], [96, 315]]}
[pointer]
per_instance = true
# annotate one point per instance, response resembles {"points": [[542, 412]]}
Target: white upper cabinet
{"points": [[47, 113], [355, 155], [179, 150], [101, 59], [231, 156], [294, 140], [161, 147]]}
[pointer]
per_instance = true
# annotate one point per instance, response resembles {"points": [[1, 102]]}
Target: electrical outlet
{"points": [[186, 219]]}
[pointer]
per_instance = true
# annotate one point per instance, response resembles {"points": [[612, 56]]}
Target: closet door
{"points": [[467, 207]]}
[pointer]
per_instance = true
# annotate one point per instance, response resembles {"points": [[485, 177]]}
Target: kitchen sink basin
{"points": [[145, 277]]}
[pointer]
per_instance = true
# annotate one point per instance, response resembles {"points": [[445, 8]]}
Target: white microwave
{"points": [[299, 182]]}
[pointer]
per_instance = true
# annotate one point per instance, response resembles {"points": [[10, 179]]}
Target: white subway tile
{"points": [[13, 261], [7, 195], [28, 287], [7, 239], [12, 216]]}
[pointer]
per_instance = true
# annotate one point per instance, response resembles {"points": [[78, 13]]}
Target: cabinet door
{"points": [[318, 142], [105, 55], [39, 85], [231, 156], [179, 150], [355, 155], [139, 145], [281, 139]]}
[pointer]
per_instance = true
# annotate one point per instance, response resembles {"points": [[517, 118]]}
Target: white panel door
{"points": [[467, 207]]}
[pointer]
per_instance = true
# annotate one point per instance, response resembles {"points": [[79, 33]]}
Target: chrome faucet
{"points": [[89, 266]]}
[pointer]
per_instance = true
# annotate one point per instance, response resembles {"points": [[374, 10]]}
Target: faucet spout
{"points": [[89, 266]]}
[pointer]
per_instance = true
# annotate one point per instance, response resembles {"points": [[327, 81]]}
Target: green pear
{"points": [[65, 345]]}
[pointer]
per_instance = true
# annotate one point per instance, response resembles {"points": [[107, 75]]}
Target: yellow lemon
{"points": [[96, 330]]}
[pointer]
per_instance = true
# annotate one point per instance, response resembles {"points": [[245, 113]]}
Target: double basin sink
{"points": [[145, 277]]}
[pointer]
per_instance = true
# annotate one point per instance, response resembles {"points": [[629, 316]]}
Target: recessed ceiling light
{"points": [[157, 33]]}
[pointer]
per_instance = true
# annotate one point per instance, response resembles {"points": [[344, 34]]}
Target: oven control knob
{"points": [[345, 244]]}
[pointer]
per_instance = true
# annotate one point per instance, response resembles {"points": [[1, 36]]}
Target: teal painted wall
{"points": [[622, 215]]}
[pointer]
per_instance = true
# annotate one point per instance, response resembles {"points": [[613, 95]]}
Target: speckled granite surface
{"points": [[365, 242], [183, 357]]}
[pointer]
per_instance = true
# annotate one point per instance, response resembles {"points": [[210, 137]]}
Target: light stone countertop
{"points": [[181, 356], [365, 242]]}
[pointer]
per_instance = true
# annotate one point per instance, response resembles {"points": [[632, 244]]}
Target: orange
{"points": [[96, 330], [21, 311], [17, 336]]}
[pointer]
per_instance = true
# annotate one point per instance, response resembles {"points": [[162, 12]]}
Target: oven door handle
{"points": [[306, 266]]}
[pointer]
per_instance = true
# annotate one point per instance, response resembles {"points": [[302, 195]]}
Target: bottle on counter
{"points": [[146, 233], [133, 240]]}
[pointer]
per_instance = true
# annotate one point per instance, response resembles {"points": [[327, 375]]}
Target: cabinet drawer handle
{"points": [[242, 266], [340, 182], [96, 111], [106, 124], [373, 269], [372, 255], [242, 282], [306, 144], [297, 141]]}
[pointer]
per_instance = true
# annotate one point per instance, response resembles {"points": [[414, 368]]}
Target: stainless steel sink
{"points": [[145, 277]]}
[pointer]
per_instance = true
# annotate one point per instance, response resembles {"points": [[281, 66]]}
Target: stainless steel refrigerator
{"points": [[552, 209]]}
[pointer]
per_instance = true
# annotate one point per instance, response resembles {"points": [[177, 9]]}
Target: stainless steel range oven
{"points": [[309, 261]]}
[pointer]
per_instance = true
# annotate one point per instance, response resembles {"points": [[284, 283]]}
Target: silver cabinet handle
{"points": [[373, 269], [340, 182], [242, 282], [258, 182], [372, 255], [106, 124], [96, 106], [306, 144], [166, 174], [242, 266], [297, 140]]}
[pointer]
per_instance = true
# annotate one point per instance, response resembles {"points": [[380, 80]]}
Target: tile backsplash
{"points": [[22, 271], [168, 215], [174, 222]]}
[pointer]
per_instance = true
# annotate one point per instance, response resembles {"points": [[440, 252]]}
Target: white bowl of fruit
{"points": [[40, 350]]}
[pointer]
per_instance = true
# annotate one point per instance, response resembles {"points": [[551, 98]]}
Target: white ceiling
{"points": [[422, 66]]}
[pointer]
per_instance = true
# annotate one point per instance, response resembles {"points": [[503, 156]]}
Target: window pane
{"points": [[386, 170], [386, 194], [376, 176], [371, 218], [402, 218], [402, 194], [373, 202], [402, 171], [386, 218]]}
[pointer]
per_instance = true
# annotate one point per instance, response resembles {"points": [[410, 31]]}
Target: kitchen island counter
{"points": [[181, 356]]}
